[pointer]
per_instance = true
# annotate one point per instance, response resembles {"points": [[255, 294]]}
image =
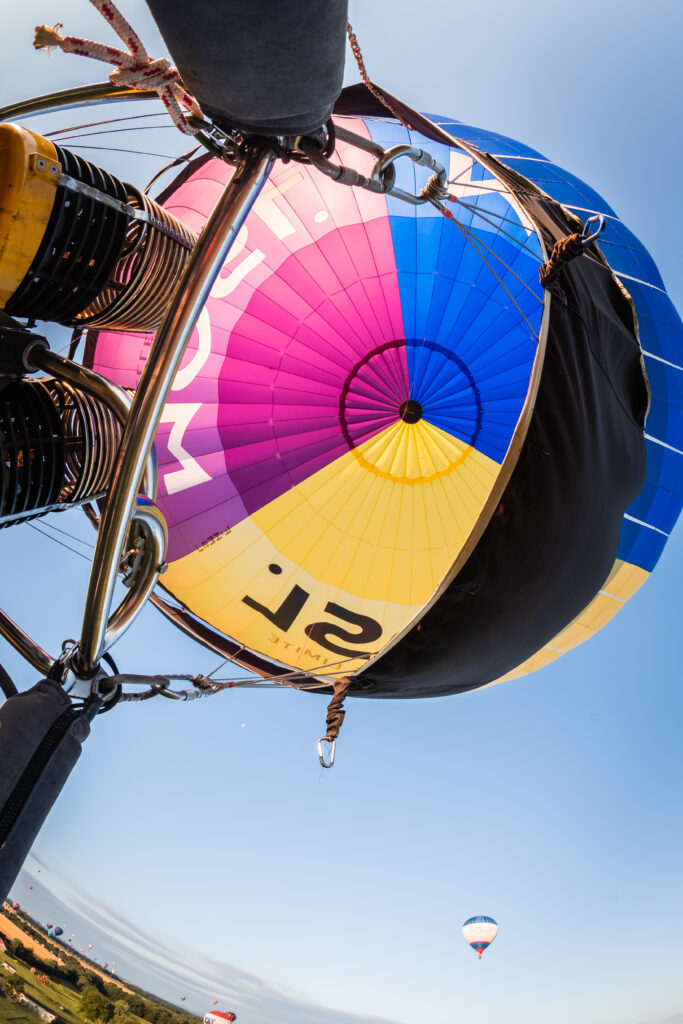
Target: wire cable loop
{"points": [[382, 180], [435, 189]]}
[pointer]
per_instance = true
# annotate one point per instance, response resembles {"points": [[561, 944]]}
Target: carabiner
{"points": [[330, 758], [436, 184], [588, 237]]}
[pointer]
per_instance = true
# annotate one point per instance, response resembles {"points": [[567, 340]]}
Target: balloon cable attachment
{"points": [[591, 236], [335, 717], [569, 247], [326, 759]]}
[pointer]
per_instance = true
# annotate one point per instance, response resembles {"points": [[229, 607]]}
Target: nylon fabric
{"points": [[364, 349], [274, 68], [344, 408]]}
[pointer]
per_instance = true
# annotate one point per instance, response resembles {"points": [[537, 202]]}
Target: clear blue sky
{"points": [[551, 803]]}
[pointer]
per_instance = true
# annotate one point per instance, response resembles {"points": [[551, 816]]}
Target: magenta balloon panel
{"points": [[346, 403]]}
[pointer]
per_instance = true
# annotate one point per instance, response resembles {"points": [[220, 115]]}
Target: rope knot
{"points": [[134, 68], [150, 74], [564, 250]]}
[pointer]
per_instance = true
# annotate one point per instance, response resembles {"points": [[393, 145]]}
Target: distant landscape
{"points": [[42, 977]]}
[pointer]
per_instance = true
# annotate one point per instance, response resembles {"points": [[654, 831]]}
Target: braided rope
{"points": [[134, 67], [377, 93], [564, 250], [335, 711]]}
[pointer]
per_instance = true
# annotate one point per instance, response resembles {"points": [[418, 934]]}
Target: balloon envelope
{"points": [[352, 405], [479, 932]]}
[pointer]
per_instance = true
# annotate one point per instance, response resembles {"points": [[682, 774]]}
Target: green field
{"points": [[76, 992]]}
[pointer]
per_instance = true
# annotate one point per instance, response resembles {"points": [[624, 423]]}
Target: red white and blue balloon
{"points": [[480, 932]]}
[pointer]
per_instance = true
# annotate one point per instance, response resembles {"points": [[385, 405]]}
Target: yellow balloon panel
{"points": [[345, 560], [270, 604]]}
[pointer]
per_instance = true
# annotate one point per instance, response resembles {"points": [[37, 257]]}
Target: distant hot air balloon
{"points": [[480, 932], [59, 931], [182, 999], [82, 951], [30, 886], [90, 946], [50, 932], [16, 906], [105, 964]]}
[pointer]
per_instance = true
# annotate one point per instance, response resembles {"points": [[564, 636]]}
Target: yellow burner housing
{"points": [[29, 176]]}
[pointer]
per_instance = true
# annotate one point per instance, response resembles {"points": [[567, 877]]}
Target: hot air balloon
{"points": [[390, 463], [479, 932], [349, 451], [90, 945], [16, 906], [362, 445], [59, 931], [217, 1017]]}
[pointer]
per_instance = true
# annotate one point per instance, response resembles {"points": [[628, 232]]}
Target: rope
{"points": [[335, 711], [134, 67], [377, 93], [564, 250], [7, 684]]}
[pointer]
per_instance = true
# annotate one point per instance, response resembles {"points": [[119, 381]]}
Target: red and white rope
{"points": [[134, 67]]}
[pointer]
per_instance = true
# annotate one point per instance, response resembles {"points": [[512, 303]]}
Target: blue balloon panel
{"points": [[652, 516]]}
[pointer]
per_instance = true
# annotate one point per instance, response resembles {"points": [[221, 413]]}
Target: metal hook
{"points": [[163, 690], [435, 187], [330, 761], [588, 237]]}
